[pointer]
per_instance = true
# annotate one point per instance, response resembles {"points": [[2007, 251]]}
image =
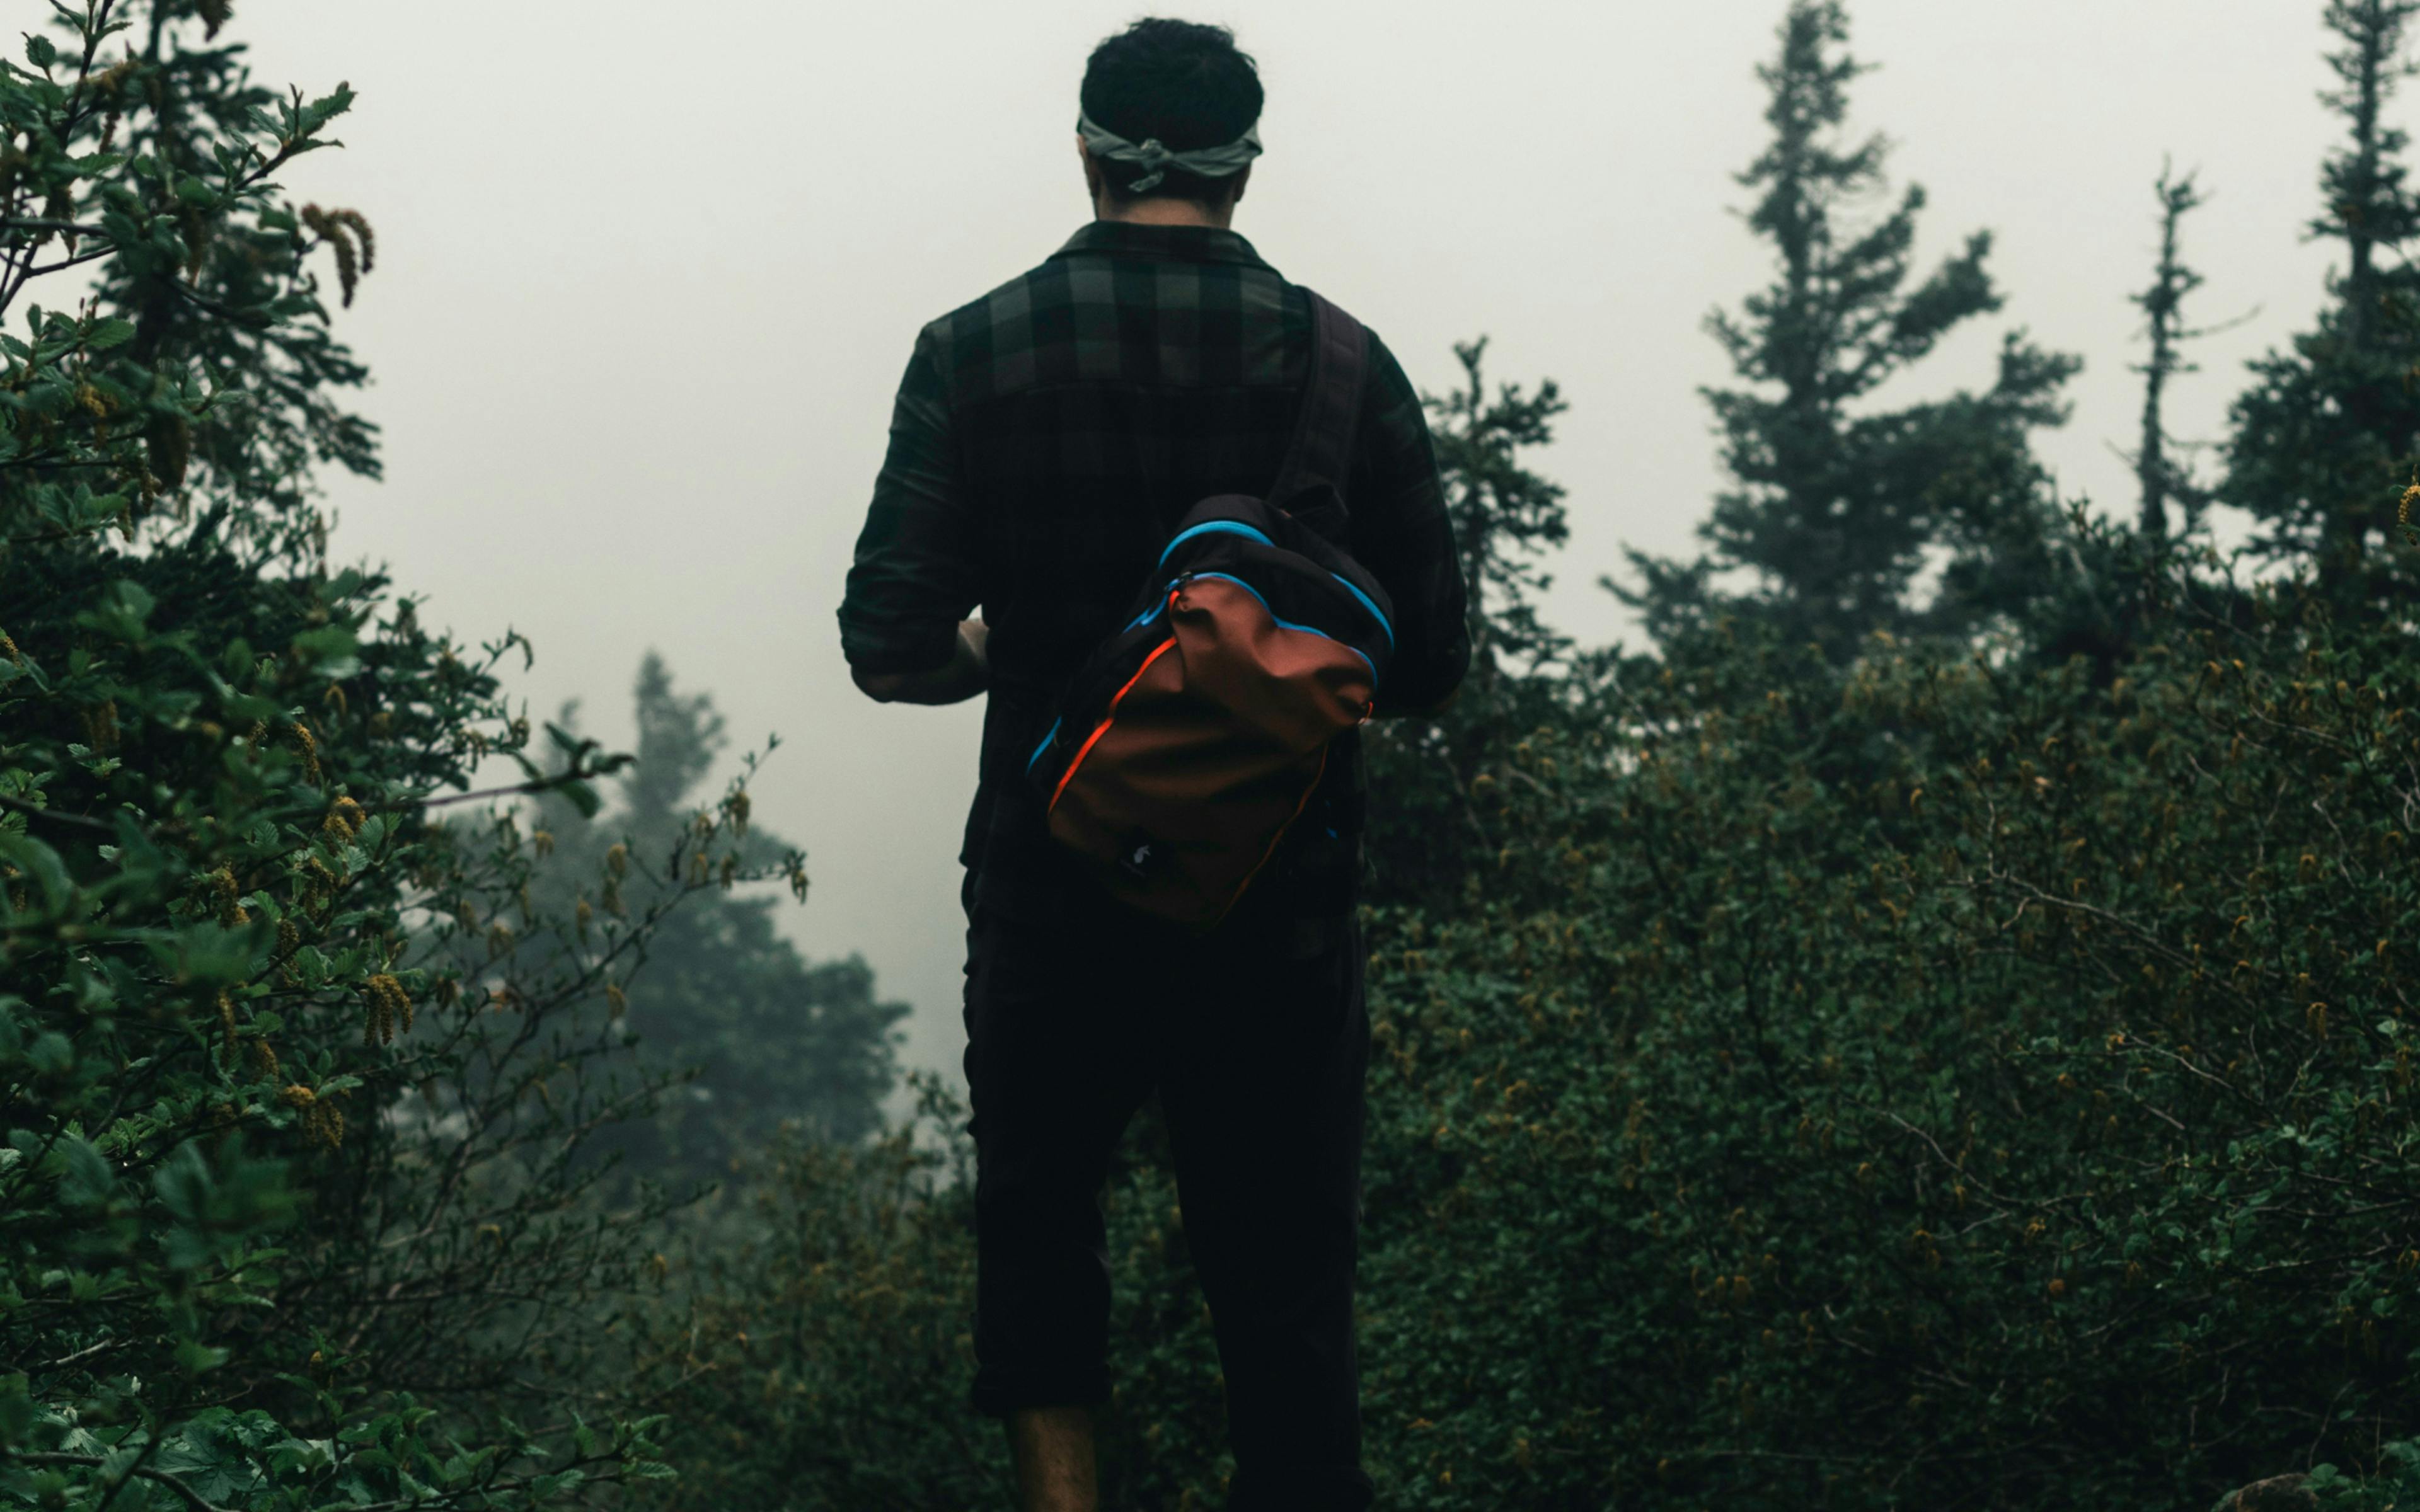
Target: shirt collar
{"points": [[1177, 243]]}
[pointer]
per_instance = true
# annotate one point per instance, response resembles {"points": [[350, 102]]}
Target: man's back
{"points": [[1050, 433]]}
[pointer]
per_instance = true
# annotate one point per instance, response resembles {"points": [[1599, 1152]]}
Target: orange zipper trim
{"points": [[1103, 728]]}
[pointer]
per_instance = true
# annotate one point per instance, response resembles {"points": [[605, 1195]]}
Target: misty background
{"points": [[638, 313]]}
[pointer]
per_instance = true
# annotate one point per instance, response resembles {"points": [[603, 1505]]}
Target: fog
{"points": [[648, 275]]}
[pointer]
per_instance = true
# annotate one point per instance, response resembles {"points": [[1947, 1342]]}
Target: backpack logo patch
{"points": [[1140, 856]]}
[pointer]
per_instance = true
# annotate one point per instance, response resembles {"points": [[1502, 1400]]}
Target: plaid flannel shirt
{"points": [[1047, 437]]}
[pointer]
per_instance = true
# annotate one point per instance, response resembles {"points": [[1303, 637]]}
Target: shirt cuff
{"points": [[894, 649]]}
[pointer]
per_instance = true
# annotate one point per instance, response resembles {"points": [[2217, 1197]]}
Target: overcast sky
{"points": [[648, 273]]}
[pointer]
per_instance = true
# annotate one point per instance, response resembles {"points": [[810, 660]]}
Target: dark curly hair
{"points": [[1184, 82]]}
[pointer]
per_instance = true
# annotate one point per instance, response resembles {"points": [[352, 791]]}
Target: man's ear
{"points": [[1243, 176], [1092, 170]]}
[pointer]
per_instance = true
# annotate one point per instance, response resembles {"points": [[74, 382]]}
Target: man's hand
{"points": [[966, 673]]}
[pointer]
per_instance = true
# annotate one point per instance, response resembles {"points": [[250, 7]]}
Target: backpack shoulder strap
{"points": [[1322, 448]]}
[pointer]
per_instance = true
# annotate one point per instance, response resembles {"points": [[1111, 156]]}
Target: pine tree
{"points": [[1839, 505], [1505, 516], [1425, 841], [2160, 472], [763, 1036], [2323, 441]]}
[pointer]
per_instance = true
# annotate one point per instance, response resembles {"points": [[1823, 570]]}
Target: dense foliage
{"points": [[295, 1081], [1950, 1085], [1879, 1051], [1945, 1083], [1912, 1040]]}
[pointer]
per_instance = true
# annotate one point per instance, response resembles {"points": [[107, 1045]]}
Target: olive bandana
{"points": [[1107, 147]]}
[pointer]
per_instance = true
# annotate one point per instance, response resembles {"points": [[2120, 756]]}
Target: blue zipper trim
{"points": [[1160, 608], [1045, 743], [1236, 527], [1384, 628], [1308, 630], [1214, 526]]}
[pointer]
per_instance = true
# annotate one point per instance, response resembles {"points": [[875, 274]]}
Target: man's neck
{"points": [[1166, 210]]}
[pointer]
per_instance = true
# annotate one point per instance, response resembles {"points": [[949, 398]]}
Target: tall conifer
{"points": [[2162, 474], [1839, 505], [1505, 516], [2325, 437], [761, 1035]]}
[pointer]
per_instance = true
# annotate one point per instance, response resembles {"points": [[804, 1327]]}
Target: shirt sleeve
{"points": [[1400, 532], [914, 575]]}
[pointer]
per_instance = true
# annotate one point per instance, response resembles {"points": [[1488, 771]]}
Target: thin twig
{"points": [[536, 784], [36, 223], [37, 812], [53, 1457]]}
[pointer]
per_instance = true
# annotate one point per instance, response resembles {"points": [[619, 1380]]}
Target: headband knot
{"points": [[1154, 158]]}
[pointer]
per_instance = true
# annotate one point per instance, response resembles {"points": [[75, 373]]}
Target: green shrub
{"points": [[294, 1080], [1948, 1082], [1957, 1083], [815, 1346], [812, 1347]]}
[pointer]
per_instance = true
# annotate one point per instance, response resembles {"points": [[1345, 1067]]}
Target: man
{"points": [[1047, 437]]}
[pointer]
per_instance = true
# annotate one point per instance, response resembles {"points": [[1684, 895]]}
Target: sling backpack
{"points": [[1190, 741]]}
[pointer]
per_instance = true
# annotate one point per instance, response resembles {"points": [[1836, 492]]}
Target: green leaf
{"points": [[208, 954], [109, 334], [329, 652], [125, 613], [311, 964], [53, 1054], [40, 52], [87, 1182], [43, 863], [196, 1358], [324, 109]]}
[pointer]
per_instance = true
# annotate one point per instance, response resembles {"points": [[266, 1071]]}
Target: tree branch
{"points": [[53, 1457]]}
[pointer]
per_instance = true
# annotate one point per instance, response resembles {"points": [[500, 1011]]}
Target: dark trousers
{"points": [[1255, 1038]]}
